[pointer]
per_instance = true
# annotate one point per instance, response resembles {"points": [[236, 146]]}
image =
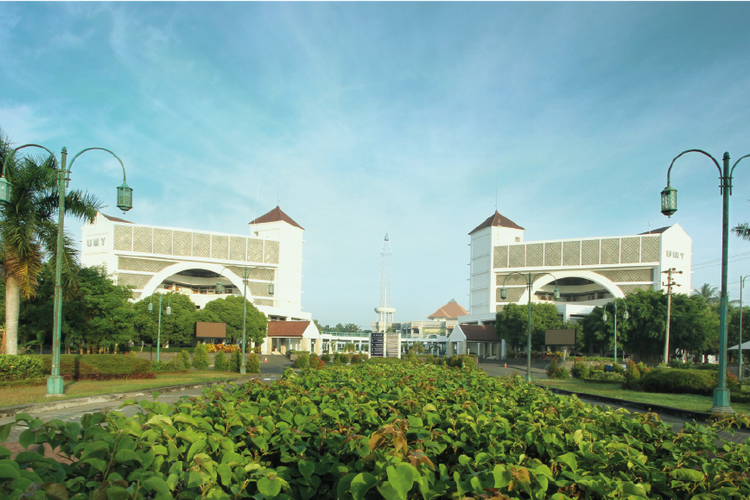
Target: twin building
{"points": [[588, 272]]}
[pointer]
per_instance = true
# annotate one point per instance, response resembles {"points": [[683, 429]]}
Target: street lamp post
{"points": [[158, 331], [124, 203], [668, 208], [529, 282], [220, 289], [739, 371], [624, 316]]}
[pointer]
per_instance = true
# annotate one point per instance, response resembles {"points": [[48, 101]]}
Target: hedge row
{"points": [[99, 366], [14, 367]]}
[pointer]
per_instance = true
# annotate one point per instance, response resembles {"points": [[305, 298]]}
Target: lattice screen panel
{"points": [[611, 251], [258, 289], [630, 250], [263, 302], [254, 250], [219, 247], [518, 256], [571, 253], [143, 265], [237, 248], [182, 241], [552, 254], [201, 245], [625, 275], [265, 274], [137, 281], [650, 249], [272, 252], [142, 239], [535, 255], [136, 295], [514, 294], [124, 238], [513, 280], [628, 289], [163, 241], [590, 252], [501, 256]]}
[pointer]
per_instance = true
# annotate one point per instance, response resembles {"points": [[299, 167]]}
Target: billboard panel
{"points": [[560, 337], [204, 330]]}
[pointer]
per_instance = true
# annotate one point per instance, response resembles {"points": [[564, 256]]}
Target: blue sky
{"points": [[362, 118]]}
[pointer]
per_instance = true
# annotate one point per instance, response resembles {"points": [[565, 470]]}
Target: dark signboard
{"points": [[376, 344], [560, 337]]}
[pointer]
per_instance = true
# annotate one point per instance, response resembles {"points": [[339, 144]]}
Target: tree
{"points": [[512, 323], [177, 328], [29, 230], [708, 292], [230, 311]]}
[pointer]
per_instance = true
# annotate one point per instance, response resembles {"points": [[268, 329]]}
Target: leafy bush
{"points": [[557, 372], [288, 374], [176, 365], [356, 358], [632, 372], [228, 348], [676, 381], [643, 368], [99, 366], [186, 359], [706, 366], [676, 363], [552, 368], [609, 377], [14, 367], [220, 362], [302, 360], [462, 361], [253, 364], [580, 370], [235, 362], [201, 360], [326, 358]]}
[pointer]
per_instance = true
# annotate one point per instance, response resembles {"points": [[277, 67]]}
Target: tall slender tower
{"points": [[385, 313]]}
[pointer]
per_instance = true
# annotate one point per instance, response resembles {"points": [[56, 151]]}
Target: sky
{"points": [[415, 119]]}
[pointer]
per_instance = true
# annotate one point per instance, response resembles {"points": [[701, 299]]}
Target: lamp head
{"points": [[669, 201], [4, 191], [626, 315], [169, 310], [556, 295], [124, 197], [604, 317], [150, 307], [270, 289], [219, 287], [504, 293]]}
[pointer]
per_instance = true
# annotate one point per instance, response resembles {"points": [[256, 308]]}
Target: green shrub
{"points": [[302, 360], [632, 371], [185, 356], [552, 368], [235, 362], [610, 377], [15, 367], [580, 370], [99, 366], [288, 374], [411, 357], [617, 368], [326, 358], [675, 381], [252, 365], [176, 365], [676, 363], [220, 362], [643, 368], [461, 361], [356, 358], [706, 366], [201, 359]]}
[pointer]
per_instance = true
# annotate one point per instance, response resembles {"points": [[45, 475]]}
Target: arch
{"points": [[589, 275], [165, 273]]}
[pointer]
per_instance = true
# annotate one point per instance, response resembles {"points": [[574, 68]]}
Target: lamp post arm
{"points": [[731, 172], [100, 149], [669, 172], [13, 153]]}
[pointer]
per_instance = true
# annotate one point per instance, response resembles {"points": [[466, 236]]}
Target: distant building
{"points": [[155, 259], [589, 272]]}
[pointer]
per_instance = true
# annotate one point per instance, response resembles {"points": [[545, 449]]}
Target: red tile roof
{"points": [[450, 310], [275, 215], [115, 219], [480, 333], [497, 220], [287, 328]]}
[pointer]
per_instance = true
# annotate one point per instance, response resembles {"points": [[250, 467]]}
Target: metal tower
{"points": [[385, 313]]}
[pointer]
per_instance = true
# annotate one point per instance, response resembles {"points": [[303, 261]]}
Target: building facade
{"points": [[155, 259], [589, 272]]}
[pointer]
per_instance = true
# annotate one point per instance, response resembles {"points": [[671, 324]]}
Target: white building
{"points": [[156, 259], [589, 272]]}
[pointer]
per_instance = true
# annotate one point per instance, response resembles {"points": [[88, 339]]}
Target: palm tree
{"points": [[742, 230], [28, 234], [708, 292]]}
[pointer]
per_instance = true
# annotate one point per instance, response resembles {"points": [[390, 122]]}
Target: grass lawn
{"points": [[684, 401], [12, 396]]}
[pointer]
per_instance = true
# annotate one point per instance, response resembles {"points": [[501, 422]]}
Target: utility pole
{"points": [[669, 284]]}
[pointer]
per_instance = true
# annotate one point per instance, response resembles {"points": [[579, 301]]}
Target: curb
{"points": [[11, 411], [667, 410]]}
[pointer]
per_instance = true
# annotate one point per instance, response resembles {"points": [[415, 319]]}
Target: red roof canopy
{"points": [[450, 310], [497, 220], [276, 215], [287, 328]]}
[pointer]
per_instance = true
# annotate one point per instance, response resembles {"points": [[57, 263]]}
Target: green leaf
{"points": [[307, 468], [4, 453], [568, 459], [56, 492], [96, 463], [361, 484], [95, 447], [401, 478], [429, 407], [27, 438], [688, 474], [195, 448], [157, 484], [117, 493], [344, 486], [127, 456], [7, 471], [5, 431], [269, 488], [225, 474]]}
